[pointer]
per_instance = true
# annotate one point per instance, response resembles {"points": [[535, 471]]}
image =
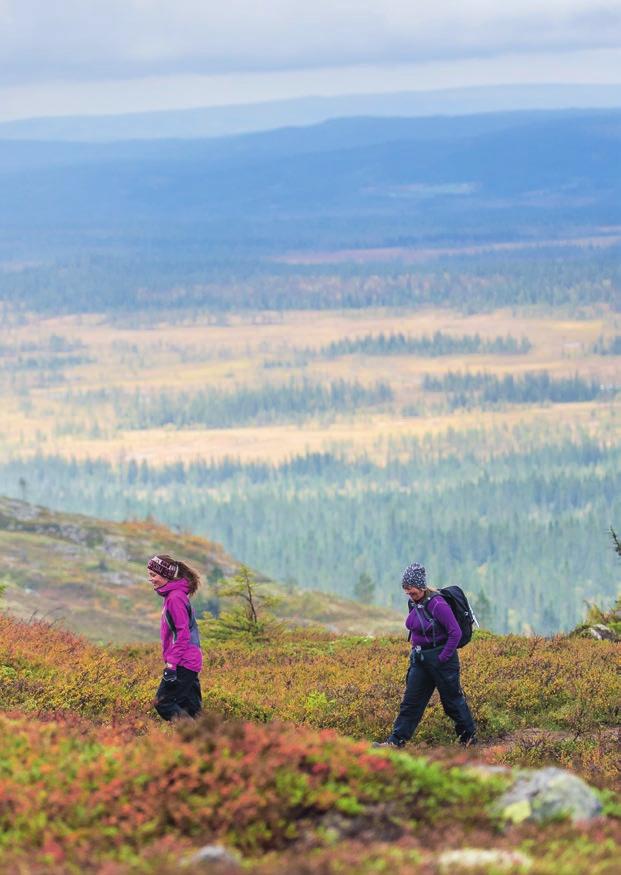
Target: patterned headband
{"points": [[163, 567]]}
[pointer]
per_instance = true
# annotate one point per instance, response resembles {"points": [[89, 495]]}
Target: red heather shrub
{"points": [[85, 797]]}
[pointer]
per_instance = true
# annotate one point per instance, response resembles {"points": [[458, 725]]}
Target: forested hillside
{"points": [[515, 528], [144, 285]]}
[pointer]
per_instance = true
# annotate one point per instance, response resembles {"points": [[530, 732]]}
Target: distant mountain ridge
{"points": [[98, 225], [360, 165], [218, 121]]}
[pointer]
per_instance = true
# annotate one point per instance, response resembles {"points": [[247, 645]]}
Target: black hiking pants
{"points": [[180, 698], [425, 674]]}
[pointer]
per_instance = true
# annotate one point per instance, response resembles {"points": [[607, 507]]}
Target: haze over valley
{"points": [[331, 347]]}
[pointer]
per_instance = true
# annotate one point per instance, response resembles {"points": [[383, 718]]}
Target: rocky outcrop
{"points": [[215, 859], [601, 625], [478, 859], [601, 632], [547, 794]]}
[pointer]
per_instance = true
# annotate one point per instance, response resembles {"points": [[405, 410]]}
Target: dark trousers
{"points": [[180, 698], [425, 674]]}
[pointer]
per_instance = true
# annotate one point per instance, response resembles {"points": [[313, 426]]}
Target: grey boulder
{"points": [[213, 858], [547, 794], [483, 858]]}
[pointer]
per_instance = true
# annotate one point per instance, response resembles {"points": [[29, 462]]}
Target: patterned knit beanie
{"points": [[415, 575], [163, 567]]}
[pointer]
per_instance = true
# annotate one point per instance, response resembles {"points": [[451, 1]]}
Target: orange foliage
{"points": [[89, 781], [86, 796]]}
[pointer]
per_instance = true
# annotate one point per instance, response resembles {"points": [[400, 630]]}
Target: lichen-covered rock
{"points": [[547, 794], [602, 633], [601, 625], [214, 859], [483, 858]]}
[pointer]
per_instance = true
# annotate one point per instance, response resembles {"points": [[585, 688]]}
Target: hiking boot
{"points": [[468, 740], [396, 745], [181, 714]]}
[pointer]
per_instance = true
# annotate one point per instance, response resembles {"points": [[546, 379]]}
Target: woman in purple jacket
{"points": [[435, 634], [179, 693]]}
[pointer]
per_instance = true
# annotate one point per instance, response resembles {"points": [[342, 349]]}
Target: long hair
{"points": [[185, 570]]}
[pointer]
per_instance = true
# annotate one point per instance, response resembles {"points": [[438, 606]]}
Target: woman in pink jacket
{"points": [[179, 693]]}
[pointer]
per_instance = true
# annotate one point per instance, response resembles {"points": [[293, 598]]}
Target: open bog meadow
{"points": [[242, 385], [319, 446]]}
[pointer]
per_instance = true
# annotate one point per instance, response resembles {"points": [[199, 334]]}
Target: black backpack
{"points": [[456, 599]]}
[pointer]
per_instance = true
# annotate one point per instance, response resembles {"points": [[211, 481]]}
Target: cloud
{"points": [[121, 39]]}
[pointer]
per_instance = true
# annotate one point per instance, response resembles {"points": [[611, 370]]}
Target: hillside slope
{"points": [[91, 782], [89, 576]]}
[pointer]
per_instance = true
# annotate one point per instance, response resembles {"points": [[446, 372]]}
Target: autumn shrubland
{"points": [[281, 759]]}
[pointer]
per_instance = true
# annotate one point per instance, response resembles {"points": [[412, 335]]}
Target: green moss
{"points": [[292, 786], [611, 802]]}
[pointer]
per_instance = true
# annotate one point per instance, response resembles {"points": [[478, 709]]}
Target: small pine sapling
{"points": [[246, 611]]}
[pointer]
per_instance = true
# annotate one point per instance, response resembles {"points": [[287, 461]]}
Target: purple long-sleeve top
{"points": [[180, 644], [447, 631]]}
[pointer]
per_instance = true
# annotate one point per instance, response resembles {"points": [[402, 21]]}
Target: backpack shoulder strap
{"points": [[427, 612], [425, 606]]}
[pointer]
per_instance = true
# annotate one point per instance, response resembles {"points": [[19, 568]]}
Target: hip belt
{"points": [[430, 646]]}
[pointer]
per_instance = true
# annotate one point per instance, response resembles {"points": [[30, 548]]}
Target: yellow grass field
{"points": [[43, 413], [414, 254]]}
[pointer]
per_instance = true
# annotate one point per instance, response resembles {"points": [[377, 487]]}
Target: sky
{"points": [[60, 57]]}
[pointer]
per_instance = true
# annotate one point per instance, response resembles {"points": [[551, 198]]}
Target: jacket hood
{"points": [[180, 584]]}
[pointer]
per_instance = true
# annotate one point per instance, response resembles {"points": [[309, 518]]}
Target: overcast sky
{"points": [[98, 56]]}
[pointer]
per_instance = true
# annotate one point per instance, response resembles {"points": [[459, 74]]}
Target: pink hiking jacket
{"points": [[178, 629]]}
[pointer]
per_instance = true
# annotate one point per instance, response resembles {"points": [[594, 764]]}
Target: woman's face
{"points": [[414, 593], [156, 579]]}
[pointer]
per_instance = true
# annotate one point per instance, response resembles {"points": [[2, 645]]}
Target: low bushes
{"points": [[79, 797], [353, 685], [90, 780]]}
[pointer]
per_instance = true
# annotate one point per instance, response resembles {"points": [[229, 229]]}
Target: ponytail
{"points": [[185, 570], [192, 576]]}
